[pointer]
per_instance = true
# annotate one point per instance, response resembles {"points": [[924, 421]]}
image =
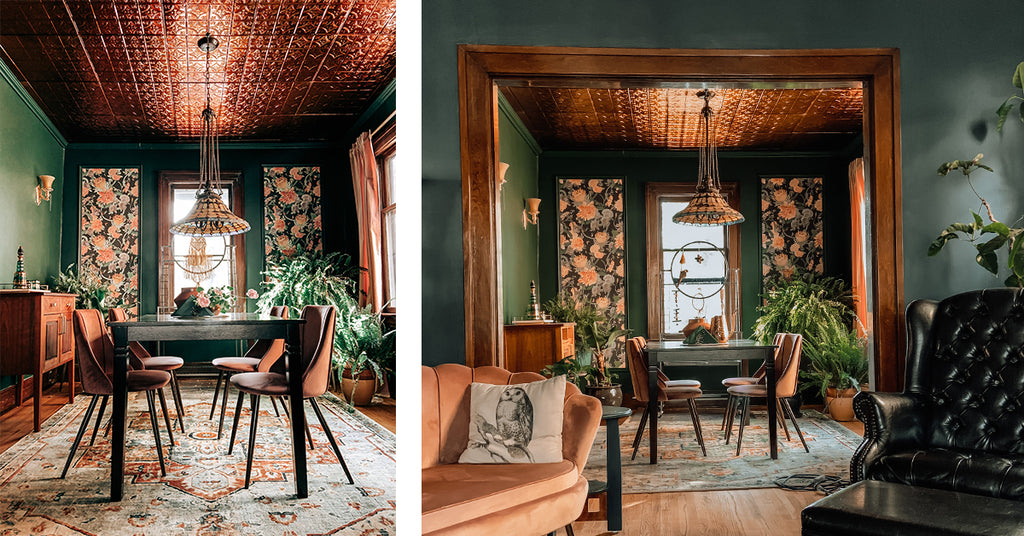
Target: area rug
{"points": [[203, 492], [682, 467]]}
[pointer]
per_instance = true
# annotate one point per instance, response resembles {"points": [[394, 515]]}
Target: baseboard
{"points": [[9, 394]]}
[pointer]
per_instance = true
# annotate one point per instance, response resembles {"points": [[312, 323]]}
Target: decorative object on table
{"points": [[109, 234], [533, 309], [701, 281], [707, 207], [701, 335], [718, 328], [1006, 236], [183, 295], [792, 227], [592, 249], [20, 281], [531, 212], [44, 190], [1004, 109]]}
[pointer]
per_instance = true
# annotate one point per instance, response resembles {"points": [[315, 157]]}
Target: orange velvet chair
{"points": [[521, 498]]}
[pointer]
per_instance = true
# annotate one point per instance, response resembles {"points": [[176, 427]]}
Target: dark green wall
{"points": [[29, 147], [519, 247], [952, 79]]}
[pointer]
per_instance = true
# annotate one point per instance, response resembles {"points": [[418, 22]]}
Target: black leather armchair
{"points": [[959, 423]]}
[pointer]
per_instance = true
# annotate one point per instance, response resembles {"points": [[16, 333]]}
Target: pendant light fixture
{"points": [[209, 216], [708, 208]]}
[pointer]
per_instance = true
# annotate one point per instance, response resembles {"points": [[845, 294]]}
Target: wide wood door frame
{"points": [[481, 67]]}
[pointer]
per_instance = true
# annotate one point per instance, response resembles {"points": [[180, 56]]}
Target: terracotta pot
{"points": [[364, 389], [609, 395], [840, 404], [185, 293]]}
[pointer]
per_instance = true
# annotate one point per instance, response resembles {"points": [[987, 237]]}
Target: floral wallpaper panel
{"points": [[291, 211], [792, 227], [592, 249], [109, 236]]}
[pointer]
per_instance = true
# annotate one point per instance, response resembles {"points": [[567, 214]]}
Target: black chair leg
{"points": [[254, 402], [731, 410], [81, 432], [309, 436], [234, 427], [745, 405], [330, 437], [639, 433], [179, 406], [223, 407], [725, 416], [273, 402], [216, 392], [103, 408], [156, 431], [568, 530], [167, 418], [696, 425], [789, 410]]}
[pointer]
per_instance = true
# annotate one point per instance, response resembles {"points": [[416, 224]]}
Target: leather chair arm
{"points": [[892, 422], [581, 415]]}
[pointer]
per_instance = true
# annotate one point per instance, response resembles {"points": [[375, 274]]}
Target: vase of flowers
{"points": [[216, 299]]}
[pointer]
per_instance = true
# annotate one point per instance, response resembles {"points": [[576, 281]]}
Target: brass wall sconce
{"points": [[44, 189], [531, 211], [500, 177]]}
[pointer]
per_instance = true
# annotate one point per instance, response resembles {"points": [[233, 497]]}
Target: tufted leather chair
{"points": [[959, 423]]}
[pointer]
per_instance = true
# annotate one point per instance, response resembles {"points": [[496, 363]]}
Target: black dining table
{"points": [[230, 326], [678, 352]]}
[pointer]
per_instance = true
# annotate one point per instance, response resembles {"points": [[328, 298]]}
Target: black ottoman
{"points": [[871, 508]]}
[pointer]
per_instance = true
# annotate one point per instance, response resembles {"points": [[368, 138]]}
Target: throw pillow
{"points": [[519, 423]]}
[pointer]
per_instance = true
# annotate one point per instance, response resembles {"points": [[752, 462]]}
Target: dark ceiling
{"points": [[802, 118], [130, 70]]}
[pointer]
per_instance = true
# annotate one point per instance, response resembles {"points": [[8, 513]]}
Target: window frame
{"points": [[384, 148], [654, 193], [167, 181]]}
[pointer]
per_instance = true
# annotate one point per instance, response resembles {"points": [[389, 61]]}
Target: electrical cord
{"points": [[827, 484]]}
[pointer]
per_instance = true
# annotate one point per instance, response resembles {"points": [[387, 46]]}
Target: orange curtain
{"points": [[367, 192], [857, 232]]}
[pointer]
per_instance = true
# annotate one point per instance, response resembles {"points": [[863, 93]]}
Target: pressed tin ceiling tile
{"points": [[130, 70]]}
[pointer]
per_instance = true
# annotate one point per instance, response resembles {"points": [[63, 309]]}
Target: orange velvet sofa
{"points": [[498, 498]]}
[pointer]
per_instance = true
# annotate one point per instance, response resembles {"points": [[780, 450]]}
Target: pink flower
{"points": [[251, 293], [203, 300]]}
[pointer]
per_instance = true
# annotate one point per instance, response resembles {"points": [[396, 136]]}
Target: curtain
{"points": [[366, 185], [857, 234]]}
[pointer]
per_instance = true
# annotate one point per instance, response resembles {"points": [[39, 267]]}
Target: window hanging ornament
{"points": [[209, 216], [708, 208]]}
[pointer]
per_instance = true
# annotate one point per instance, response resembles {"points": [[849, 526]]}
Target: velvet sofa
{"points": [[497, 498]]}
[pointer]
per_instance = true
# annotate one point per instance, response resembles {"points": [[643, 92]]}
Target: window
{"points": [[699, 269], [177, 195], [385, 151]]}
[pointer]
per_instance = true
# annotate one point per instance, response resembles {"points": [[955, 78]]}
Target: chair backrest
{"points": [[636, 361], [268, 351], [317, 347], [787, 363], [95, 352], [136, 352]]}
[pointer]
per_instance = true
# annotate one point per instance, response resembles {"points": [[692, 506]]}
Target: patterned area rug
{"points": [[682, 467], [203, 492]]}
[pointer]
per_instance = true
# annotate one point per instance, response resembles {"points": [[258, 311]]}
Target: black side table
{"points": [[610, 416]]}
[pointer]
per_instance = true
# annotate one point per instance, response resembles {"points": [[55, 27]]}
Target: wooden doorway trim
{"points": [[481, 67]]}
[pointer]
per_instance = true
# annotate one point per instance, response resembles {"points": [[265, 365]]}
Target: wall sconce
{"points": [[531, 211], [502, 169], [44, 189]]}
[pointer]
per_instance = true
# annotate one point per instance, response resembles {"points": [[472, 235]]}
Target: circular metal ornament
{"points": [[697, 256]]}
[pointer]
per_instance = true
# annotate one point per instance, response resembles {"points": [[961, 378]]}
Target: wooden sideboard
{"points": [[531, 347], [36, 335]]}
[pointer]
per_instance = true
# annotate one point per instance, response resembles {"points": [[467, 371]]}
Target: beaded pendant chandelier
{"points": [[209, 216], [708, 208]]}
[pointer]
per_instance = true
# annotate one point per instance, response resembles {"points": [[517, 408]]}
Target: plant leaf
{"points": [[978, 222], [1018, 76], [1003, 112], [989, 262], [1016, 257], [949, 233], [992, 245], [999, 228]]}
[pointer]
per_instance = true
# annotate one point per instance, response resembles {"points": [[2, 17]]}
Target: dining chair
{"points": [[260, 357], [142, 360], [745, 380], [787, 363], [317, 336], [661, 375], [95, 352], [638, 372]]}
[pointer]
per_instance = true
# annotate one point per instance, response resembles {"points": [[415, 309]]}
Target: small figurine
{"points": [[533, 310], [20, 281]]}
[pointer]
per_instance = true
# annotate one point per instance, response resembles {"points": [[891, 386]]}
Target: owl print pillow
{"points": [[519, 423]]}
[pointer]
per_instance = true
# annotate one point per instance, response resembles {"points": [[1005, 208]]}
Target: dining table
{"points": [[732, 351], [228, 326]]}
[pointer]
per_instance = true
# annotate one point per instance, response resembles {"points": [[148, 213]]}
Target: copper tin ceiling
{"points": [[130, 70], [666, 118]]}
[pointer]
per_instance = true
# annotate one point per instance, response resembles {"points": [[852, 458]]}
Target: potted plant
{"points": [[573, 370], [92, 293], [367, 355], [593, 338], [837, 366]]}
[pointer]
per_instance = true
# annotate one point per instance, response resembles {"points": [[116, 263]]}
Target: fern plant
{"points": [[814, 307], [836, 361], [365, 344]]}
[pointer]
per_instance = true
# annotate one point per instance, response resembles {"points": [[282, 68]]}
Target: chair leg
{"points": [[568, 530], [81, 432], [234, 426], [731, 410], [156, 431], [216, 392], [639, 432], [254, 402], [782, 418], [223, 406], [273, 402], [103, 408], [696, 425], [287, 414], [309, 436], [745, 405], [725, 416], [789, 410], [167, 418], [330, 437], [179, 406]]}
